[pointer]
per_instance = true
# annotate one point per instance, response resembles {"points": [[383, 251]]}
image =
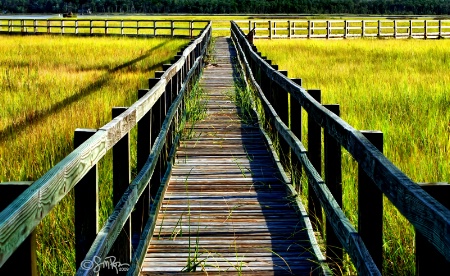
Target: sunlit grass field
{"points": [[51, 85], [400, 87]]}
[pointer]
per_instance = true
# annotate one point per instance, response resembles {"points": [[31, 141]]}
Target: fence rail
{"points": [[347, 28], [103, 27], [377, 175], [156, 115]]}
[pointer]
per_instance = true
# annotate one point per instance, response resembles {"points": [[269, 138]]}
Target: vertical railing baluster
{"points": [[296, 128], [121, 249], [86, 203], [333, 179], [370, 206], [315, 156], [23, 260]]}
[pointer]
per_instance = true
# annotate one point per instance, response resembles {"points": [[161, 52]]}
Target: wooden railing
{"points": [[127, 27], [377, 175], [156, 114], [347, 28]]}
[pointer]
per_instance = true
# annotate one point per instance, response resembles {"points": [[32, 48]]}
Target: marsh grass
{"points": [[50, 85], [397, 86]]}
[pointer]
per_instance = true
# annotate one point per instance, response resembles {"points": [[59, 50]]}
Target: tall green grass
{"points": [[50, 85], [397, 86]]}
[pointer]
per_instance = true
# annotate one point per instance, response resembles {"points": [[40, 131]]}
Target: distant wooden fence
{"points": [[104, 27], [347, 28], [377, 175], [156, 114]]}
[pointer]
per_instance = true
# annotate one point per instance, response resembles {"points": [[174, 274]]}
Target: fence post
{"points": [[270, 29], [23, 260], [425, 34], [328, 29], [90, 27], [106, 26], [363, 28], [345, 28], [410, 28], [440, 28], [395, 28], [428, 260], [35, 26], [281, 96], [172, 28], [333, 180], [121, 249], [191, 26], [315, 156], [86, 203], [379, 28], [289, 28], [295, 118], [62, 26], [49, 29], [370, 206]]}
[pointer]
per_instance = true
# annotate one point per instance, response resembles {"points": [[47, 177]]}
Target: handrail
{"points": [[340, 28], [423, 211], [76, 26], [122, 211], [19, 219]]}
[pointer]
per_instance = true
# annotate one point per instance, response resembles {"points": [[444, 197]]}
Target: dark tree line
{"points": [[437, 7]]}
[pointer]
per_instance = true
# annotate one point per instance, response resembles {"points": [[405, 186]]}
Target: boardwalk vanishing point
{"points": [[226, 209]]}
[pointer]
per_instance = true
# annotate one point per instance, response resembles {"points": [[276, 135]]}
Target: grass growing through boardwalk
{"points": [[51, 85], [397, 86]]}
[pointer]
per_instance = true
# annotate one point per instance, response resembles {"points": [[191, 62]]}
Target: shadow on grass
{"points": [[12, 130]]}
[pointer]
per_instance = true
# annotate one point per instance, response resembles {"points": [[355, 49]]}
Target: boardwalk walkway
{"points": [[225, 210]]}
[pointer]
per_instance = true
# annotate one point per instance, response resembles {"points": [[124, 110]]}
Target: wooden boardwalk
{"points": [[226, 210]]}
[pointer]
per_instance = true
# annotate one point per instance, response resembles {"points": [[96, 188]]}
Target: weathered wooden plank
{"points": [[417, 206]]}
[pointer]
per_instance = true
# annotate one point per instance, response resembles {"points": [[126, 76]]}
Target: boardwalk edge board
{"points": [[20, 218], [347, 235]]}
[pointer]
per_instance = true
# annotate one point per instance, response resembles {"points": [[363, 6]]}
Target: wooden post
{"points": [[106, 26], [328, 29], [410, 28], [22, 25], [379, 28], [76, 27], [395, 28], [363, 28], [172, 28], [293, 28], [370, 207], [270, 29], [428, 260], [274, 28], [191, 27], [312, 27], [121, 27], [90, 27], [154, 28], [315, 156], [282, 99], [35, 26], [49, 29], [333, 179], [249, 25], [62, 26], [295, 119], [425, 34], [121, 249], [440, 28], [86, 203], [23, 260], [345, 28], [289, 29]]}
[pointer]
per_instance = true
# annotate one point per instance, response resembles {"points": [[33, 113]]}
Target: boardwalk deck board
{"points": [[225, 197]]}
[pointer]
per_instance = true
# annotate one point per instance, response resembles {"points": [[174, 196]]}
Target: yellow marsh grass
{"points": [[400, 87], [50, 85]]}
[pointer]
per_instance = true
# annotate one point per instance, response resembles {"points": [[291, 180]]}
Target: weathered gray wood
{"points": [[110, 230], [315, 156], [417, 206], [30, 207], [370, 207], [428, 260], [347, 235], [23, 260], [86, 203], [121, 249], [333, 179]]}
